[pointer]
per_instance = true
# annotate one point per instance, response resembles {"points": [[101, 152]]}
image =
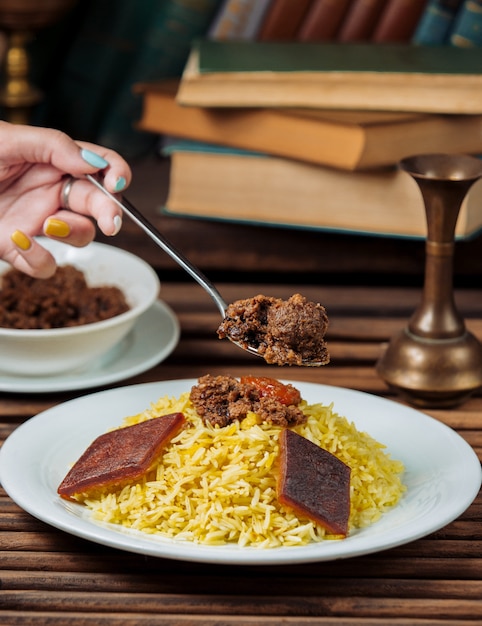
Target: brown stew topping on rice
{"points": [[221, 400]]}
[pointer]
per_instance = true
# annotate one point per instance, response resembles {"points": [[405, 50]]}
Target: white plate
{"points": [[443, 474], [152, 340]]}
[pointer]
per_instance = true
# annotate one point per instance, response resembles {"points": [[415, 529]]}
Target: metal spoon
{"points": [[129, 209]]}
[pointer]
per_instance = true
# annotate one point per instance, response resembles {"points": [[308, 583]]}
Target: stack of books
{"points": [[309, 135]]}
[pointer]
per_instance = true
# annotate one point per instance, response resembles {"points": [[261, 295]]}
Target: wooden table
{"points": [[50, 577]]}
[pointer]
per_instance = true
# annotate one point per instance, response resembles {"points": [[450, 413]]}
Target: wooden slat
{"points": [[152, 582], [135, 619], [260, 606]]}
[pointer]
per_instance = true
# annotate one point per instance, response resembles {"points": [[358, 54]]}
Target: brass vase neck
{"points": [[444, 181], [435, 361]]}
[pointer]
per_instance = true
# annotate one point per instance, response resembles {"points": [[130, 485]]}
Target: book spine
{"points": [[398, 21], [239, 19], [467, 28], [282, 20], [163, 55], [322, 20], [436, 22], [360, 20]]}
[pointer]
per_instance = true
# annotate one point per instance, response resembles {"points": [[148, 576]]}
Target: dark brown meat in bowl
{"points": [[284, 332], [63, 300]]}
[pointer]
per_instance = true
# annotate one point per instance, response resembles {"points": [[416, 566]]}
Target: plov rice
{"points": [[218, 485]]}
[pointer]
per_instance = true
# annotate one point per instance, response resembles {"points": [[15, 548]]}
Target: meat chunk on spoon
{"points": [[283, 332]]}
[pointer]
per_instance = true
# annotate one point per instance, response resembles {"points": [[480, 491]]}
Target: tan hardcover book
{"points": [[382, 77], [238, 186]]}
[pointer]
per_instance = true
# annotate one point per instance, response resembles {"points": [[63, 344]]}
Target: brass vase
{"points": [[19, 19], [435, 361]]}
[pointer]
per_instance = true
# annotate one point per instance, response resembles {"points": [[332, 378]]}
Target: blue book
{"points": [[467, 28], [436, 22]]}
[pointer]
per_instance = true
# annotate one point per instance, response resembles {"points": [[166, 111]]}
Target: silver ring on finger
{"points": [[65, 192]]}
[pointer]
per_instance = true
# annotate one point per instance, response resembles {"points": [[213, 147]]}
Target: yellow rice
{"points": [[218, 485]]}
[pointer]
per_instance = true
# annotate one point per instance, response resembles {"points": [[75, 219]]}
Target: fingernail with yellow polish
{"points": [[56, 228], [20, 240]]}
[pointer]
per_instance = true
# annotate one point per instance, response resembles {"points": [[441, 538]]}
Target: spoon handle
{"points": [[137, 217]]}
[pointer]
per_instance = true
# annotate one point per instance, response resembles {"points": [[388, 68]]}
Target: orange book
{"points": [[349, 140], [399, 21], [322, 20]]}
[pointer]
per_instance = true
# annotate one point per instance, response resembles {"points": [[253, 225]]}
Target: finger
{"points": [[28, 256], [69, 227], [29, 144], [117, 174], [85, 199]]}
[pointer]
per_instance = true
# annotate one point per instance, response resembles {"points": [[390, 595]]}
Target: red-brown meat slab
{"points": [[314, 482], [120, 456]]}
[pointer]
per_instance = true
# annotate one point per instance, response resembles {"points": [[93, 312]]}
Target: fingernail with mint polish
{"points": [[120, 184], [93, 159]]}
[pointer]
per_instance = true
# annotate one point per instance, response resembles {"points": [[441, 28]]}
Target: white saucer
{"points": [[152, 340]]}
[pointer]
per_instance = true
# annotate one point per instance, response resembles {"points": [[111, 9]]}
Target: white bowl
{"points": [[43, 352]]}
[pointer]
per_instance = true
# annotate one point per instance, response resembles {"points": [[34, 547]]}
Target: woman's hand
{"points": [[35, 168]]}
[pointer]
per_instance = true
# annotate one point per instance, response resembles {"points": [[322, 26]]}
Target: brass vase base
{"points": [[435, 362], [431, 373]]}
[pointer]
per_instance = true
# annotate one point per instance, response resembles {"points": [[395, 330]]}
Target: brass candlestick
{"points": [[19, 19], [435, 361]]}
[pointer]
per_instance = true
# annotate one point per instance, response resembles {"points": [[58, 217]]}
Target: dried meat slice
{"points": [[120, 456], [314, 482]]}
